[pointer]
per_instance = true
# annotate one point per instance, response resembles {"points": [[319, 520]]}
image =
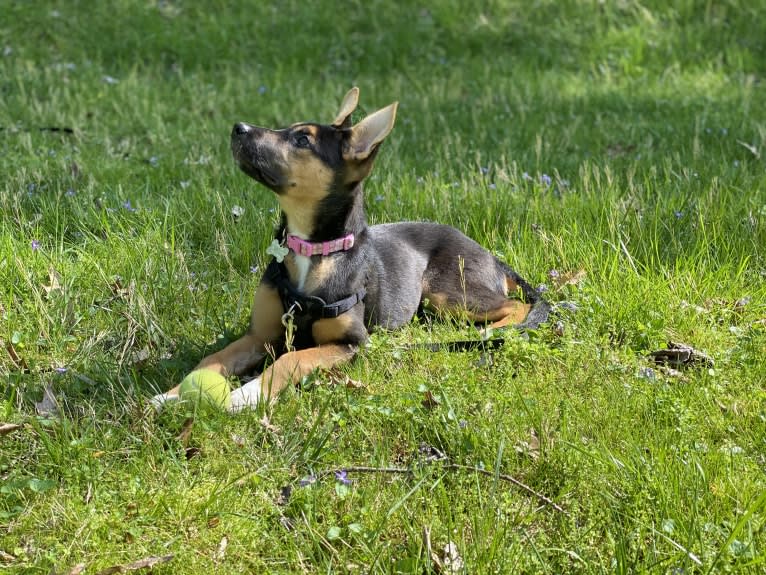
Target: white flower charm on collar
{"points": [[277, 250]]}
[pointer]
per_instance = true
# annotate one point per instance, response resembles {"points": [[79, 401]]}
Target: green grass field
{"points": [[619, 145]]}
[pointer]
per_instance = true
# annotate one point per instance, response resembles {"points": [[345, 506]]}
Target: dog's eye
{"points": [[302, 141]]}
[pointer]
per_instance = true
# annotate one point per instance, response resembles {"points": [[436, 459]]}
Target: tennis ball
{"points": [[206, 388]]}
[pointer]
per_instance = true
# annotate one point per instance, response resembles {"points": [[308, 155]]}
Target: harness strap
{"points": [[308, 305]]}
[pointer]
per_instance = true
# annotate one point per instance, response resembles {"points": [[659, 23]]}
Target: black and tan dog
{"points": [[340, 278]]}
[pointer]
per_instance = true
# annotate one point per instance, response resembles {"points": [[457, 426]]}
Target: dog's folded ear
{"points": [[365, 137], [343, 119]]}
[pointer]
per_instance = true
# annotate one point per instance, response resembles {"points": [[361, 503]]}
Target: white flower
{"points": [[277, 250]]}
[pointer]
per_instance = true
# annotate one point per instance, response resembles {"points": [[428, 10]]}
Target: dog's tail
{"points": [[540, 310]]}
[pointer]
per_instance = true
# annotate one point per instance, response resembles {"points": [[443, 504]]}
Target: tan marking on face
{"points": [[357, 171], [330, 330], [308, 183]]}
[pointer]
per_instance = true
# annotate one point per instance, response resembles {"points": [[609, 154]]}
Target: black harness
{"points": [[299, 304]]}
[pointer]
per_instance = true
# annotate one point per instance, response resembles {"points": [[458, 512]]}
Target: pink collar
{"points": [[304, 248]]}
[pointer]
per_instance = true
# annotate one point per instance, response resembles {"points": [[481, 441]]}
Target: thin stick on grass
{"points": [[451, 467]]}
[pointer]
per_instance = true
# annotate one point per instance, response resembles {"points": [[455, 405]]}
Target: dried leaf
{"points": [[88, 494], [6, 557], [54, 279], [15, 358], [435, 559], [267, 425], [286, 523], [568, 278], [186, 430], [77, 569], [336, 377], [451, 560], [139, 357], [431, 453], [353, 383], [118, 290], [6, 428], [192, 452], [147, 563], [49, 406], [221, 551], [429, 400], [531, 446], [214, 522], [681, 355], [238, 440]]}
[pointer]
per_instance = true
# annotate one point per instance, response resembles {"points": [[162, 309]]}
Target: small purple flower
{"points": [[153, 161], [492, 186], [127, 205], [341, 476], [553, 274], [542, 288], [253, 269], [111, 80], [35, 245], [378, 198], [31, 187], [261, 90], [306, 481], [69, 193], [545, 180], [526, 176], [61, 370], [678, 214], [484, 170], [462, 423]]}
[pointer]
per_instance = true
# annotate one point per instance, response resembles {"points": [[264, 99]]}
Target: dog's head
{"points": [[308, 160]]}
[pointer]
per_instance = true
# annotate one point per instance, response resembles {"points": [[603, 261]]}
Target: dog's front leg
{"points": [[244, 354], [289, 368]]}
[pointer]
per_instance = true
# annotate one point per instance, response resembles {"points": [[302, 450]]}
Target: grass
{"points": [[623, 139]]}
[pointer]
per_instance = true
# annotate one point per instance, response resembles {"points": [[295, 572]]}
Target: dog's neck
{"points": [[336, 216]]}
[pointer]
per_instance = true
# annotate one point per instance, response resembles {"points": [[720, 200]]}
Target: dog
{"points": [[334, 278]]}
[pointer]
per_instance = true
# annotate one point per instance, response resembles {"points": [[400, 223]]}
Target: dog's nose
{"points": [[241, 128]]}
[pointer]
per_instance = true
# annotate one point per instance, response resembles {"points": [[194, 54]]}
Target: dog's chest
{"points": [[309, 274], [302, 268]]}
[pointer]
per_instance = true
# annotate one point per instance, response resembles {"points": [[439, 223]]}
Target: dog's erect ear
{"points": [[343, 119], [365, 137]]}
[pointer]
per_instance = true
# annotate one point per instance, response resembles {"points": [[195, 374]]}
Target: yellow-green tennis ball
{"points": [[206, 388]]}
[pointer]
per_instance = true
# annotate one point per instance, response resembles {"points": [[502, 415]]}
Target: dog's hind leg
{"points": [[527, 313]]}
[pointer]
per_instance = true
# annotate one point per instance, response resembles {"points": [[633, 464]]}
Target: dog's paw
{"points": [[246, 397], [158, 401]]}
